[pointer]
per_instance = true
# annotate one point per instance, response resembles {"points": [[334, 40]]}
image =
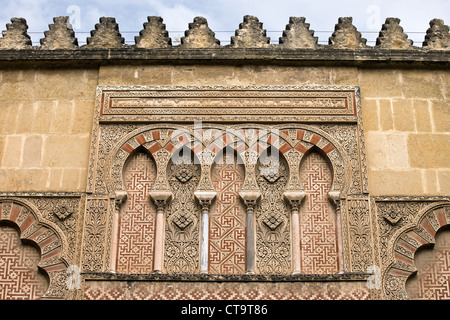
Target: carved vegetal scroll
{"points": [[273, 243], [183, 216]]}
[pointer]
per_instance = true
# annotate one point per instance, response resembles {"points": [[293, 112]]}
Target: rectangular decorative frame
{"points": [[228, 103]]}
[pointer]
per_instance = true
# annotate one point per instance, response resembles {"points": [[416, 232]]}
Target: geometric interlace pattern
{"points": [[19, 275], [227, 222], [142, 290], [137, 217], [432, 281], [317, 218]]}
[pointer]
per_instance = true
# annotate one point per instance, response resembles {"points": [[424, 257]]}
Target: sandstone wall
{"points": [[46, 121]]}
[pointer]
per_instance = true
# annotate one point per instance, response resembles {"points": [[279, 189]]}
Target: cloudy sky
{"points": [[224, 16]]}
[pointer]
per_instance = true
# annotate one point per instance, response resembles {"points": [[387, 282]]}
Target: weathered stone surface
{"points": [[154, 34], [392, 36], [346, 36], [105, 35], [395, 182], [429, 151], [298, 35], [15, 36], [438, 36], [60, 35], [250, 34], [199, 35]]}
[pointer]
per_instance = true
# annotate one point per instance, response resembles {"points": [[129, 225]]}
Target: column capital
{"points": [[250, 196], [205, 198], [160, 195], [296, 196], [120, 197], [205, 195], [335, 197]]}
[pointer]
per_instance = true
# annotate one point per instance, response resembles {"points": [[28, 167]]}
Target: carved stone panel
{"points": [[185, 128], [228, 103], [273, 247], [96, 244], [182, 237]]}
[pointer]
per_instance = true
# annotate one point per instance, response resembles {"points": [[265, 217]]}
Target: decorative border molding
{"points": [[225, 278]]}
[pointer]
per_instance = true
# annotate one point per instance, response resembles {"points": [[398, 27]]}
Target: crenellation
{"points": [[106, 35], [392, 36], [199, 35], [298, 35], [346, 36], [438, 36], [59, 36], [250, 34], [15, 36], [154, 34]]}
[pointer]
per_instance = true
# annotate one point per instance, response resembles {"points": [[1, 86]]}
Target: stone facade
{"points": [[200, 171]]}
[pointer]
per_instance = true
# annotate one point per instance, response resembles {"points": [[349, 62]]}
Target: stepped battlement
{"points": [[250, 34]]}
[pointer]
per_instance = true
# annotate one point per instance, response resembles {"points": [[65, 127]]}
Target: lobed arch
{"points": [[44, 235], [421, 232], [293, 141]]}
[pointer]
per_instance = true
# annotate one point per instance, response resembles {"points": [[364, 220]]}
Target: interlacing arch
{"points": [[249, 142], [207, 142]]}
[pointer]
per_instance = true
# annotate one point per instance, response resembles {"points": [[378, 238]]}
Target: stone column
{"points": [[205, 198], [120, 198], [295, 198], [250, 199], [335, 197], [160, 198]]}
